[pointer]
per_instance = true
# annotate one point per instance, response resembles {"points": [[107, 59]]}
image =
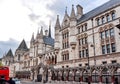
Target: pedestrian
{"points": [[11, 81], [2, 80]]}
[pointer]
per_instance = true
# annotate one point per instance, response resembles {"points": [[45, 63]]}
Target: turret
{"points": [[57, 25], [37, 36], [66, 20], [41, 32], [49, 35], [57, 28], [72, 16], [32, 39], [73, 22]]}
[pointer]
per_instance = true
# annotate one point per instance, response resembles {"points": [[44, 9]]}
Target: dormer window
{"points": [[103, 20], [113, 16], [108, 18], [98, 21]]}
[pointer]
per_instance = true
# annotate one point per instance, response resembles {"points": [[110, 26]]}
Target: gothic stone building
{"points": [[85, 48], [87, 45]]}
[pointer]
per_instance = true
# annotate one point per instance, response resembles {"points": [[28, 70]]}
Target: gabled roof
{"points": [[9, 53], [48, 40], [22, 46], [108, 5]]}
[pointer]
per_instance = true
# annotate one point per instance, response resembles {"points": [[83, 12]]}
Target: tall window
{"points": [[82, 28], [79, 41], [78, 30], [106, 33], [112, 32], [82, 41], [108, 18], [113, 47], [85, 27], [98, 21], [83, 53], [103, 49], [18, 56], [87, 53], [85, 40], [108, 48], [113, 16], [65, 43], [65, 57], [80, 54], [103, 20], [102, 35]]}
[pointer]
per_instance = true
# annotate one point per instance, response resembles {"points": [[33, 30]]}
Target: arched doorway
{"points": [[106, 76], [71, 75], [117, 76], [77, 76], [95, 76]]}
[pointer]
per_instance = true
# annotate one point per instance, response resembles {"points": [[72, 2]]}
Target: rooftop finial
{"points": [[49, 30], [50, 24], [66, 10], [73, 5]]}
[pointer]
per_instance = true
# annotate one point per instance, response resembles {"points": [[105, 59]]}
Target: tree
{"points": [[1, 63]]}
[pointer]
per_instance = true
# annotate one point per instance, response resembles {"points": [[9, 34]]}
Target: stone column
{"points": [[81, 78], [49, 76], [90, 79], [113, 79], [100, 79]]}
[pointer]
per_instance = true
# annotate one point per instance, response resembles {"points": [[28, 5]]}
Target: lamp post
{"points": [[88, 68], [94, 48]]}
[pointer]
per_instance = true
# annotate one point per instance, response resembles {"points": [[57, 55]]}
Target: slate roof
{"points": [[22, 46], [48, 40], [108, 5], [9, 53]]}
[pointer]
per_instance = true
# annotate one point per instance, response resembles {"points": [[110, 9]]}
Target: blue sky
{"points": [[20, 18]]}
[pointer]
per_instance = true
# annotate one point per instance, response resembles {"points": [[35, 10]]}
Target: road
{"points": [[31, 82], [54, 82]]}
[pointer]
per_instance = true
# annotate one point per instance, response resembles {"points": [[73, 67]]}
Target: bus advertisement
{"points": [[4, 72]]}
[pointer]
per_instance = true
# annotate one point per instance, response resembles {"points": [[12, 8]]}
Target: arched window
{"points": [[103, 19], [113, 15], [98, 21], [108, 18]]}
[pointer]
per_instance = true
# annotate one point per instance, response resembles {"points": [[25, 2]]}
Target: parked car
{"points": [[17, 81]]}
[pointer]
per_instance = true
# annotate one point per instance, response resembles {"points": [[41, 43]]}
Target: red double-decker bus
{"points": [[4, 72]]}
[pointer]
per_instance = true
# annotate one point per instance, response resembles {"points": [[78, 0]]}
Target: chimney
{"points": [[46, 32], [79, 11]]}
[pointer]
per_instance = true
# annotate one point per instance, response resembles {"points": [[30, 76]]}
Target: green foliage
{"points": [[1, 63]]}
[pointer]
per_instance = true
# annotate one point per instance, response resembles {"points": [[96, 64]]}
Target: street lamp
{"points": [[94, 47]]}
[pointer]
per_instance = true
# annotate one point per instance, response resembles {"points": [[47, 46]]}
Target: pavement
{"points": [[52, 82]]}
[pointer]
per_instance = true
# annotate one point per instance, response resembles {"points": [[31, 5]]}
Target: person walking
{"points": [[2, 80], [11, 81]]}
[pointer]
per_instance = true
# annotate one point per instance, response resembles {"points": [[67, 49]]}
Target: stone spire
{"points": [[66, 15], [72, 16], [41, 32], [49, 35], [22, 46], [9, 53], [32, 39], [37, 36], [57, 25]]}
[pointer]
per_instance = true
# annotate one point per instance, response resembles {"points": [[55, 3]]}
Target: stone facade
{"points": [[85, 48]]}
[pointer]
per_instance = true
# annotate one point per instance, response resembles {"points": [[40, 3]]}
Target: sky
{"points": [[19, 19]]}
